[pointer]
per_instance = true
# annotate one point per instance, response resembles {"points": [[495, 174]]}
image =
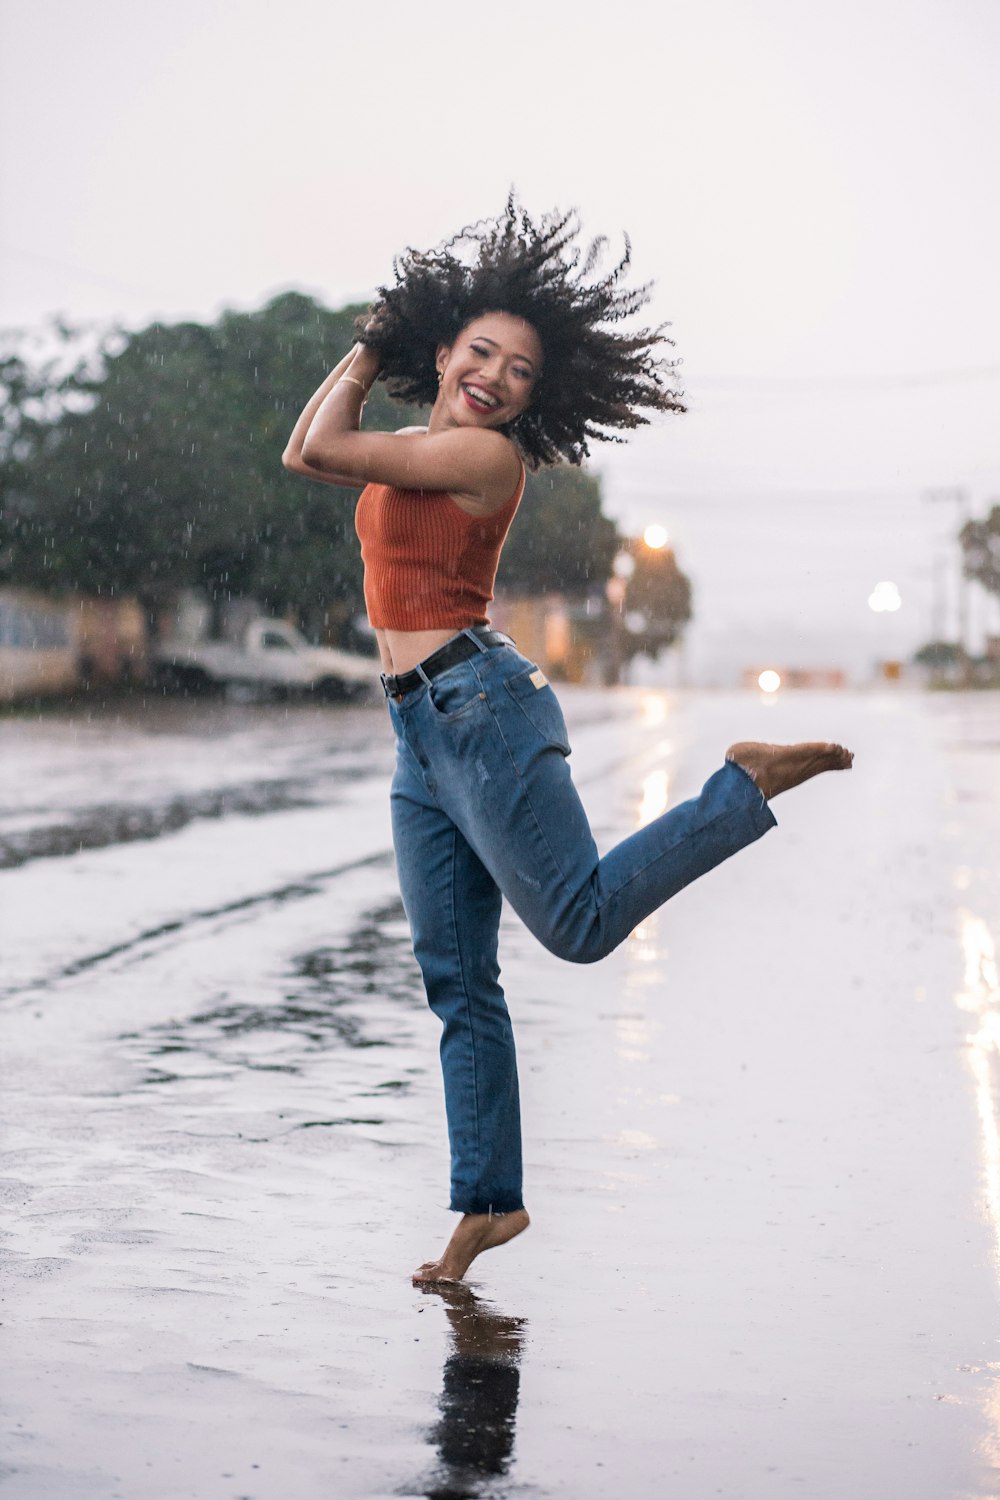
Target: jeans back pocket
{"points": [[540, 706]]}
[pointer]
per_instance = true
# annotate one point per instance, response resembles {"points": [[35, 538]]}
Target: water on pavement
{"points": [[762, 1139]]}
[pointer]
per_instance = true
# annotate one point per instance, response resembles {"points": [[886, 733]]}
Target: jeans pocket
{"points": [[540, 706]]}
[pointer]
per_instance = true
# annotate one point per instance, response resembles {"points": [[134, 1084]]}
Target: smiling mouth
{"points": [[479, 400]]}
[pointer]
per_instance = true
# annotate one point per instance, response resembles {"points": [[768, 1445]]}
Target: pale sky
{"points": [[813, 188]]}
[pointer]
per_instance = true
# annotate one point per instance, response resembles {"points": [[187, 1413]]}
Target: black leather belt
{"points": [[449, 655]]}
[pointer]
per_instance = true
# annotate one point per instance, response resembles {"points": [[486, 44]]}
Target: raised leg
{"points": [[529, 828]]}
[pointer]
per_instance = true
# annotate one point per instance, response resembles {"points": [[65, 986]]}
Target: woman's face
{"points": [[490, 371]]}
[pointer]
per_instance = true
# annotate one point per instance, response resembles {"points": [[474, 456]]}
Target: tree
{"points": [[561, 541], [981, 548], [33, 392], [657, 600], [939, 655], [162, 467], [152, 463]]}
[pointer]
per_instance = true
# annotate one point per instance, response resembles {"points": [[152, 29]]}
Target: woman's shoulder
{"points": [[478, 468]]}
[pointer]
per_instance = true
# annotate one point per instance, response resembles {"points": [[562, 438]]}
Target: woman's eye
{"points": [[478, 349]]}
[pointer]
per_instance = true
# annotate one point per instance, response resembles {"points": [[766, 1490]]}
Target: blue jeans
{"points": [[483, 806]]}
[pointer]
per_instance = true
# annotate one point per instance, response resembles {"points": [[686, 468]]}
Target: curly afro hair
{"points": [[596, 378]]}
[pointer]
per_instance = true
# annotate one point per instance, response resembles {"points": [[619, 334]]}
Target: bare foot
{"points": [[776, 768], [474, 1234]]}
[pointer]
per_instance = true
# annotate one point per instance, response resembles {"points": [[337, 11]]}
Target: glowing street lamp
{"points": [[769, 681], [885, 598], [655, 536]]}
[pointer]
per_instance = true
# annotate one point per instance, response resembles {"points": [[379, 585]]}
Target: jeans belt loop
{"points": [[472, 631]]}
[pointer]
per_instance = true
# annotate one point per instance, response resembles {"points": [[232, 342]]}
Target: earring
{"points": [[440, 376]]}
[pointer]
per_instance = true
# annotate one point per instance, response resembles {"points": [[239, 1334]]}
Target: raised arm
{"points": [[292, 456], [472, 462]]}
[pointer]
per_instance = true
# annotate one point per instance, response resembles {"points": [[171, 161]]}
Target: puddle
{"points": [[85, 781], [324, 1006], [102, 827]]}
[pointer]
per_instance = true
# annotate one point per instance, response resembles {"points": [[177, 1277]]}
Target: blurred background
{"points": [[196, 201], [767, 1129]]}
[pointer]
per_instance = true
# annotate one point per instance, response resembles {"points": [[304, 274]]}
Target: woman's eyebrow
{"points": [[482, 339]]}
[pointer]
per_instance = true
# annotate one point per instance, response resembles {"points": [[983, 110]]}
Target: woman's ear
{"points": [[441, 358]]}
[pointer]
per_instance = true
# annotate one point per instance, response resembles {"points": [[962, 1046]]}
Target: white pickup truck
{"points": [[273, 657]]}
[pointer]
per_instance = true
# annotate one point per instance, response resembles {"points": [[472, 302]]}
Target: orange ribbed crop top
{"points": [[429, 565]]}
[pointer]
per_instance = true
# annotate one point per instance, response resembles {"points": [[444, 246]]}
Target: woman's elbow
{"points": [[294, 461], [313, 456]]}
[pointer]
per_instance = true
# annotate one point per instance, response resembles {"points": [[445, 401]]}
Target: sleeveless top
{"points": [[429, 565]]}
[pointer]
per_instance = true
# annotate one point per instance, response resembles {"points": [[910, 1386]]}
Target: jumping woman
{"points": [[516, 347]]}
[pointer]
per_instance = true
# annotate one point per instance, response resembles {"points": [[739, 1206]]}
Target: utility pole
{"points": [[938, 596], [958, 496]]}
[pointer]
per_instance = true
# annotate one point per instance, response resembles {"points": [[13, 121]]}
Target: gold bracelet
{"points": [[351, 380]]}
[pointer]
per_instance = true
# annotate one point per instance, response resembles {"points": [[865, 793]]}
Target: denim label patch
{"points": [[539, 678]]}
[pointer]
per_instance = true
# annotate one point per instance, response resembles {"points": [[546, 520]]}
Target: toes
{"points": [[433, 1271]]}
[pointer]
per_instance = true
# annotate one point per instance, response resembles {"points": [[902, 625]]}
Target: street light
{"points": [[884, 598], [655, 536]]}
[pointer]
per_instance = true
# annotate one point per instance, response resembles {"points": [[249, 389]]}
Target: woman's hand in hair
{"points": [[374, 324], [292, 458], [364, 366]]}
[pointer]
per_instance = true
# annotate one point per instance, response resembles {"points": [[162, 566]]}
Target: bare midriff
{"points": [[400, 650]]}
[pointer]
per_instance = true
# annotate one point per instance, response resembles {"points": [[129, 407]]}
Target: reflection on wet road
{"points": [[474, 1436], [765, 1194], [323, 1006], [105, 824], [980, 998], [142, 773]]}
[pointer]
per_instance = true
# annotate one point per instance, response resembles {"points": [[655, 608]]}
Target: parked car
{"points": [[273, 657]]}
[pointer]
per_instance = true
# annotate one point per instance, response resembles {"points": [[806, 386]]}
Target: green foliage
{"points": [[154, 464], [939, 655], [167, 473], [660, 594], [560, 541], [981, 548]]}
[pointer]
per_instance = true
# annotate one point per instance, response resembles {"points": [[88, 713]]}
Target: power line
{"points": [[790, 385], [623, 485]]}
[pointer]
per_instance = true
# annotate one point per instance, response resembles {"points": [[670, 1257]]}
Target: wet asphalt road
{"points": [[762, 1139]]}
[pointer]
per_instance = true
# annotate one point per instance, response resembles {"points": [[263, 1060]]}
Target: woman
{"points": [[515, 344]]}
